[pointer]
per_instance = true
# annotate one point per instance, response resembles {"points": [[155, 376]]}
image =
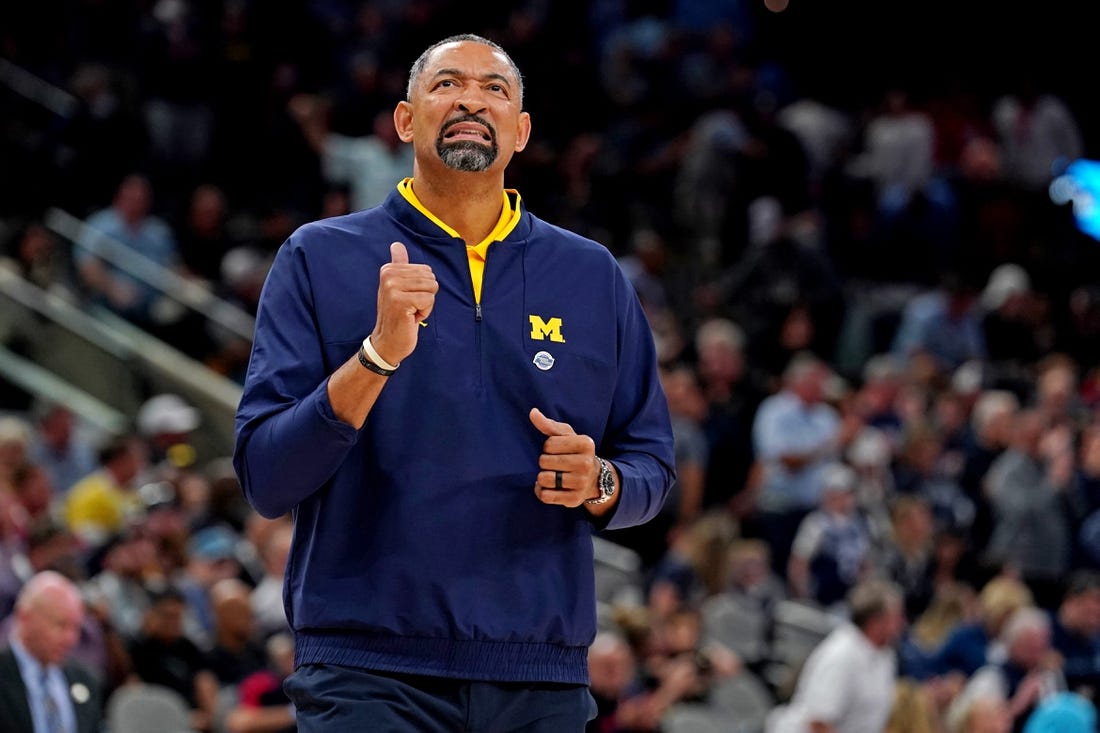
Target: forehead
{"points": [[468, 57], [57, 606]]}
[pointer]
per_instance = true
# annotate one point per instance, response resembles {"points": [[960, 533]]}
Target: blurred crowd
{"points": [[878, 337]]}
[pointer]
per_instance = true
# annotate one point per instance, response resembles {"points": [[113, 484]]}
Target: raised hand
{"points": [[406, 296]]}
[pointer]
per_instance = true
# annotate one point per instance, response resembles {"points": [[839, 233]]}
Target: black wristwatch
{"points": [[605, 483]]}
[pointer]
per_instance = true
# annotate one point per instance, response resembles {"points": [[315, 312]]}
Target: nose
{"points": [[471, 100]]}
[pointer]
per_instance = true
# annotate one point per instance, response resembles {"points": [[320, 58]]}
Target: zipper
{"points": [[477, 323]]}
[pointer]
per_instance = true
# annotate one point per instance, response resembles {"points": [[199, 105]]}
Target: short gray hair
{"points": [[422, 61], [872, 598]]}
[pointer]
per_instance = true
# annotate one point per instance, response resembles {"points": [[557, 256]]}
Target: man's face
{"points": [[464, 111], [50, 628]]}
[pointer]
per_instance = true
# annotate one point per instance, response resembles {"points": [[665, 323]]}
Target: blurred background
{"points": [[877, 210]]}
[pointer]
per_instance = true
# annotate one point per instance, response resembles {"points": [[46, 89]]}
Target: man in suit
{"points": [[41, 690]]}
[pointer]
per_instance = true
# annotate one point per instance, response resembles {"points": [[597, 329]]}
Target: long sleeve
{"points": [[639, 433], [289, 442]]}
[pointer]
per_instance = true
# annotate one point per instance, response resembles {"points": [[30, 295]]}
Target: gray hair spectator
{"points": [[45, 687], [847, 684]]}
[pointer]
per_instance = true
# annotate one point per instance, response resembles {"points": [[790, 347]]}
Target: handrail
{"points": [[123, 340], [36, 89], [46, 384], [187, 292]]}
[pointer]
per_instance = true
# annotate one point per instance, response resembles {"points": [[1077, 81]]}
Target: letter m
{"points": [[541, 330]]}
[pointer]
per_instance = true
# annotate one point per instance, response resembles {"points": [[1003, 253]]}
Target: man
{"points": [[41, 689], [1026, 673], [446, 473], [1027, 486], [796, 434], [128, 222], [368, 165], [847, 683]]}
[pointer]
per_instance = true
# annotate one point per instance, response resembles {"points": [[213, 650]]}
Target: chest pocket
{"points": [[571, 362]]}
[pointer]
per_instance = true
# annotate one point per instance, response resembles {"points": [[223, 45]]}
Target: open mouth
{"points": [[467, 130], [479, 135]]}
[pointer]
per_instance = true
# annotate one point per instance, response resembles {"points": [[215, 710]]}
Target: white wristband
{"points": [[368, 348]]}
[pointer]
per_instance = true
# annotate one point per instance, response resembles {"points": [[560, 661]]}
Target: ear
{"points": [[403, 121], [524, 131]]}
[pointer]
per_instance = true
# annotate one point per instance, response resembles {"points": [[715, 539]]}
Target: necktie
{"points": [[53, 713]]}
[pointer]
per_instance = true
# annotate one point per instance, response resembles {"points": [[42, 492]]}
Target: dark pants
{"points": [[330, 698]]}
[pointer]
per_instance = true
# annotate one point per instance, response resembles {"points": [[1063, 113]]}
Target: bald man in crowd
{"points": [[41, 689]]}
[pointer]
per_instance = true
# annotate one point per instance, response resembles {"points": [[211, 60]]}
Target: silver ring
{"points": [[557, 481]]}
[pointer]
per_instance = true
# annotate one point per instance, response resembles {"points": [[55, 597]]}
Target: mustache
{"points": [[469, 118]]}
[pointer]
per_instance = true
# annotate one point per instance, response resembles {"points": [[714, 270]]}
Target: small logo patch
{"points": [[543, 360], [80, 693]]}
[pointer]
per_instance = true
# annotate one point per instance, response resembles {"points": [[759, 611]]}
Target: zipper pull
{"points": [[477, 311]]}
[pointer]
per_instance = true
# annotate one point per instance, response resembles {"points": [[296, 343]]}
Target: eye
{"points": [[445, 83]]}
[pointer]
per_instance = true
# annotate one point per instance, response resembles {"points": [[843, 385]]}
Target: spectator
{"points": [[35, 256], [795, 434], [47, 545], [1037, 131], [752, 581], [830, 553], [1015, 323], [684, 503], [921, 470], [60, 449], [613, 672], [1057, 396], [203, 239], [951, 606], [212, 556], [167, 423], [262, 705], [118, 589], [105, 501], [1026, 675], [370, 165], [162, 655], [127, 222], [33, 490], [944, 324], [988, 436], [908, 558], [43, 685], [267, 596], [16, 436], [733, 393], [235, 654], [847, 683], [966, 648], [1027, 487]]}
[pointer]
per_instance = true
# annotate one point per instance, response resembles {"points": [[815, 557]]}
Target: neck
{"points": [[473, 212]]}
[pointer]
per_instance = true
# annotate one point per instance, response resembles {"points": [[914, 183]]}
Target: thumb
{"points": [[549, 427], [398, 254]]}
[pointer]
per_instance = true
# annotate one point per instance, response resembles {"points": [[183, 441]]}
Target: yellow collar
{"points": [[509, 216]]}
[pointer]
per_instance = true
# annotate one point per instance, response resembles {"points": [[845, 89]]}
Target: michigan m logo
{"points": [[541, 330]]}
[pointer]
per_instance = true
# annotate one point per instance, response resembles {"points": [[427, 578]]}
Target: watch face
{"points": [[607, 481]]}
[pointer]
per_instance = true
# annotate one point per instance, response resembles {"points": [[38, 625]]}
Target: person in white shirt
{"points": [[847, 683]]}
